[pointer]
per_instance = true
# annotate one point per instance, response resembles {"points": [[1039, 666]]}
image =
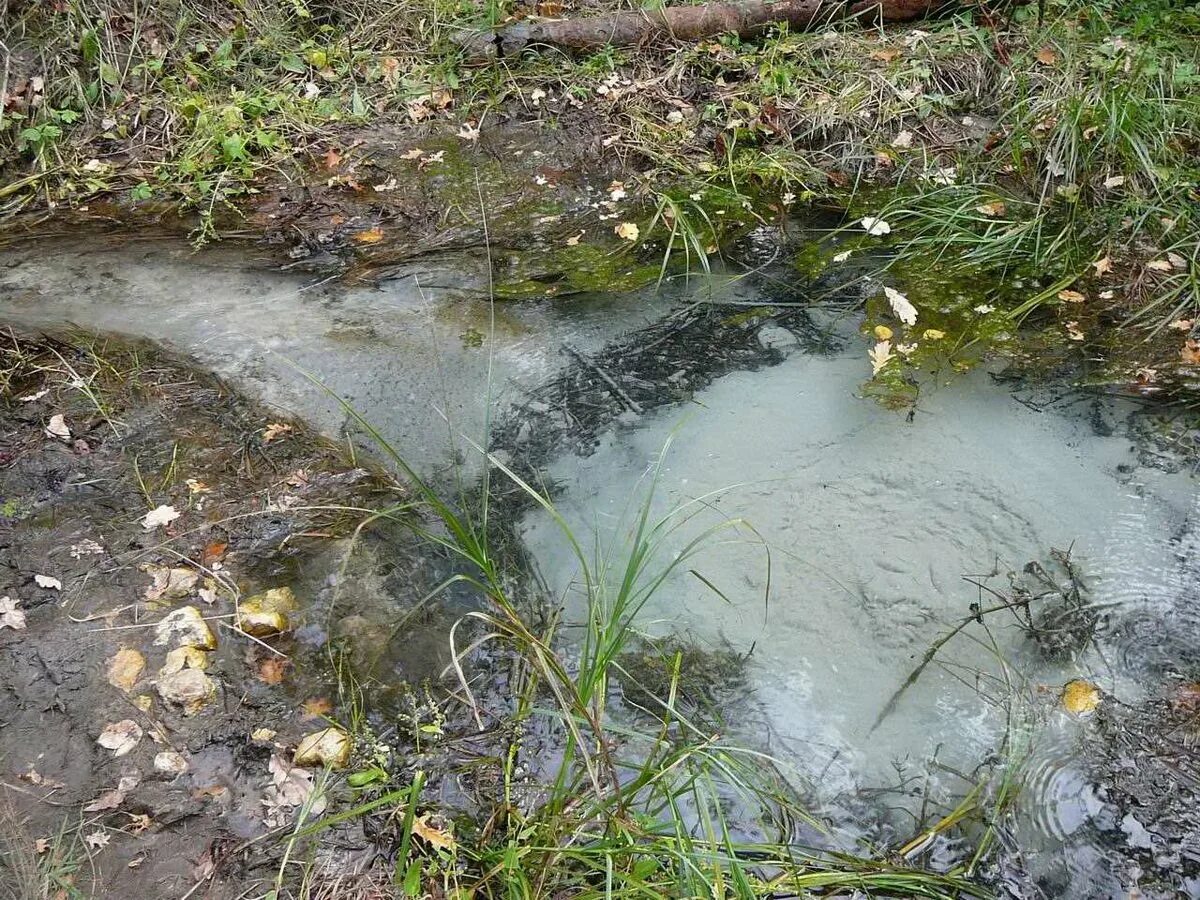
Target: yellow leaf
{"points": [[370, 236], [883, 333], [627, 231], [432, 835], [125, 667], [1079, 697], [933, 334]]}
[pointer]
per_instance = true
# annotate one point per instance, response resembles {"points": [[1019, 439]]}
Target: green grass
{"points": [[628, 810]]}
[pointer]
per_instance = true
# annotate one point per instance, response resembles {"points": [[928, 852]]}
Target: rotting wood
{"points": [[690, 23]]}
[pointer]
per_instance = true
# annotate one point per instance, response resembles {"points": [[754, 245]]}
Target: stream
{"points": [[845, 537]]}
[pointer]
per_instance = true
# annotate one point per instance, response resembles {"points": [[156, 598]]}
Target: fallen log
{"points": [[746, 18]]}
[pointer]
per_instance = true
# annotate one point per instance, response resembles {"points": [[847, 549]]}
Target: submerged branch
{"points": [[975, 616]]}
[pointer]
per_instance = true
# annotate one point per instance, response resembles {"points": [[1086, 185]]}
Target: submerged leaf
{"points": [[1080, 696], [880, 355]]}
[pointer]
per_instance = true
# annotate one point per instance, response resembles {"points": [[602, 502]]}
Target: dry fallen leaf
{"points": [[1046, 56], [316, 708], [933, 334], [574, 240], [1114, 181], [185, 627], [1071, 297], [875, 226], [159, 516], [627, 231], [169, 762], [327, 747], [272, 669], [57, 427], [905, 311], [469, 131], [1079, 696], [1189, 353], [333, 159], [1160, 265], [97, 840], [885, 55], [10, 615], [435, 836], [170, 583], [125, 667], [414, 153], [41, 845], [106, 801], [1102, 266], [993, 209], [120, 737], [45, 581], [278, 429], [369, 235], [1073, 331]]}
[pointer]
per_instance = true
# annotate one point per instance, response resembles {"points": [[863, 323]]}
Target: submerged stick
{"points": [[937, 645]]}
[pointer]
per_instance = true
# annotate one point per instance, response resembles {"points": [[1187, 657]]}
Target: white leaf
{"points": [[57, 428], [97, 840], [880, 355], [875, 227], [1114, 181], [10, 615], [903, 140], [29, 398], [162, 515], [905, 311], [45, 581], [842, 257], [120, 737]]}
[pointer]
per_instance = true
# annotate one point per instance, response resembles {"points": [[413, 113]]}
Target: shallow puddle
{"points": [[860, 531], [845, 533]]}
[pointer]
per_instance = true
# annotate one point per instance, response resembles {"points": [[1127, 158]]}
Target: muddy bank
{"points": [[147, 758]]}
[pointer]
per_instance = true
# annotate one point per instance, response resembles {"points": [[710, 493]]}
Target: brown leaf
{"points": [[1071, 297], [278, 429], [1189, 353], [1102, 266], [333, 159], [886, 55], [369, 235], [1046, 56], [316, 708], [272, 669], [214, 552]]}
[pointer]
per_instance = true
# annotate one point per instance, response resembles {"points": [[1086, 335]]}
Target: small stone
{"points": [[267, 613], [189, 688], [168, 762], [328, 747], [775, 337]]}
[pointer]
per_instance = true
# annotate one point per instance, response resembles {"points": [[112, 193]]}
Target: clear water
{"points": [[871, 520]]}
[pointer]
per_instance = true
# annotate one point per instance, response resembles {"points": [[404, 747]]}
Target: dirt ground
{"points": [[135, 760]]}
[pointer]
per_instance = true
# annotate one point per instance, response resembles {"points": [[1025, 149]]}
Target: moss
{"points": [[560, 271]]}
